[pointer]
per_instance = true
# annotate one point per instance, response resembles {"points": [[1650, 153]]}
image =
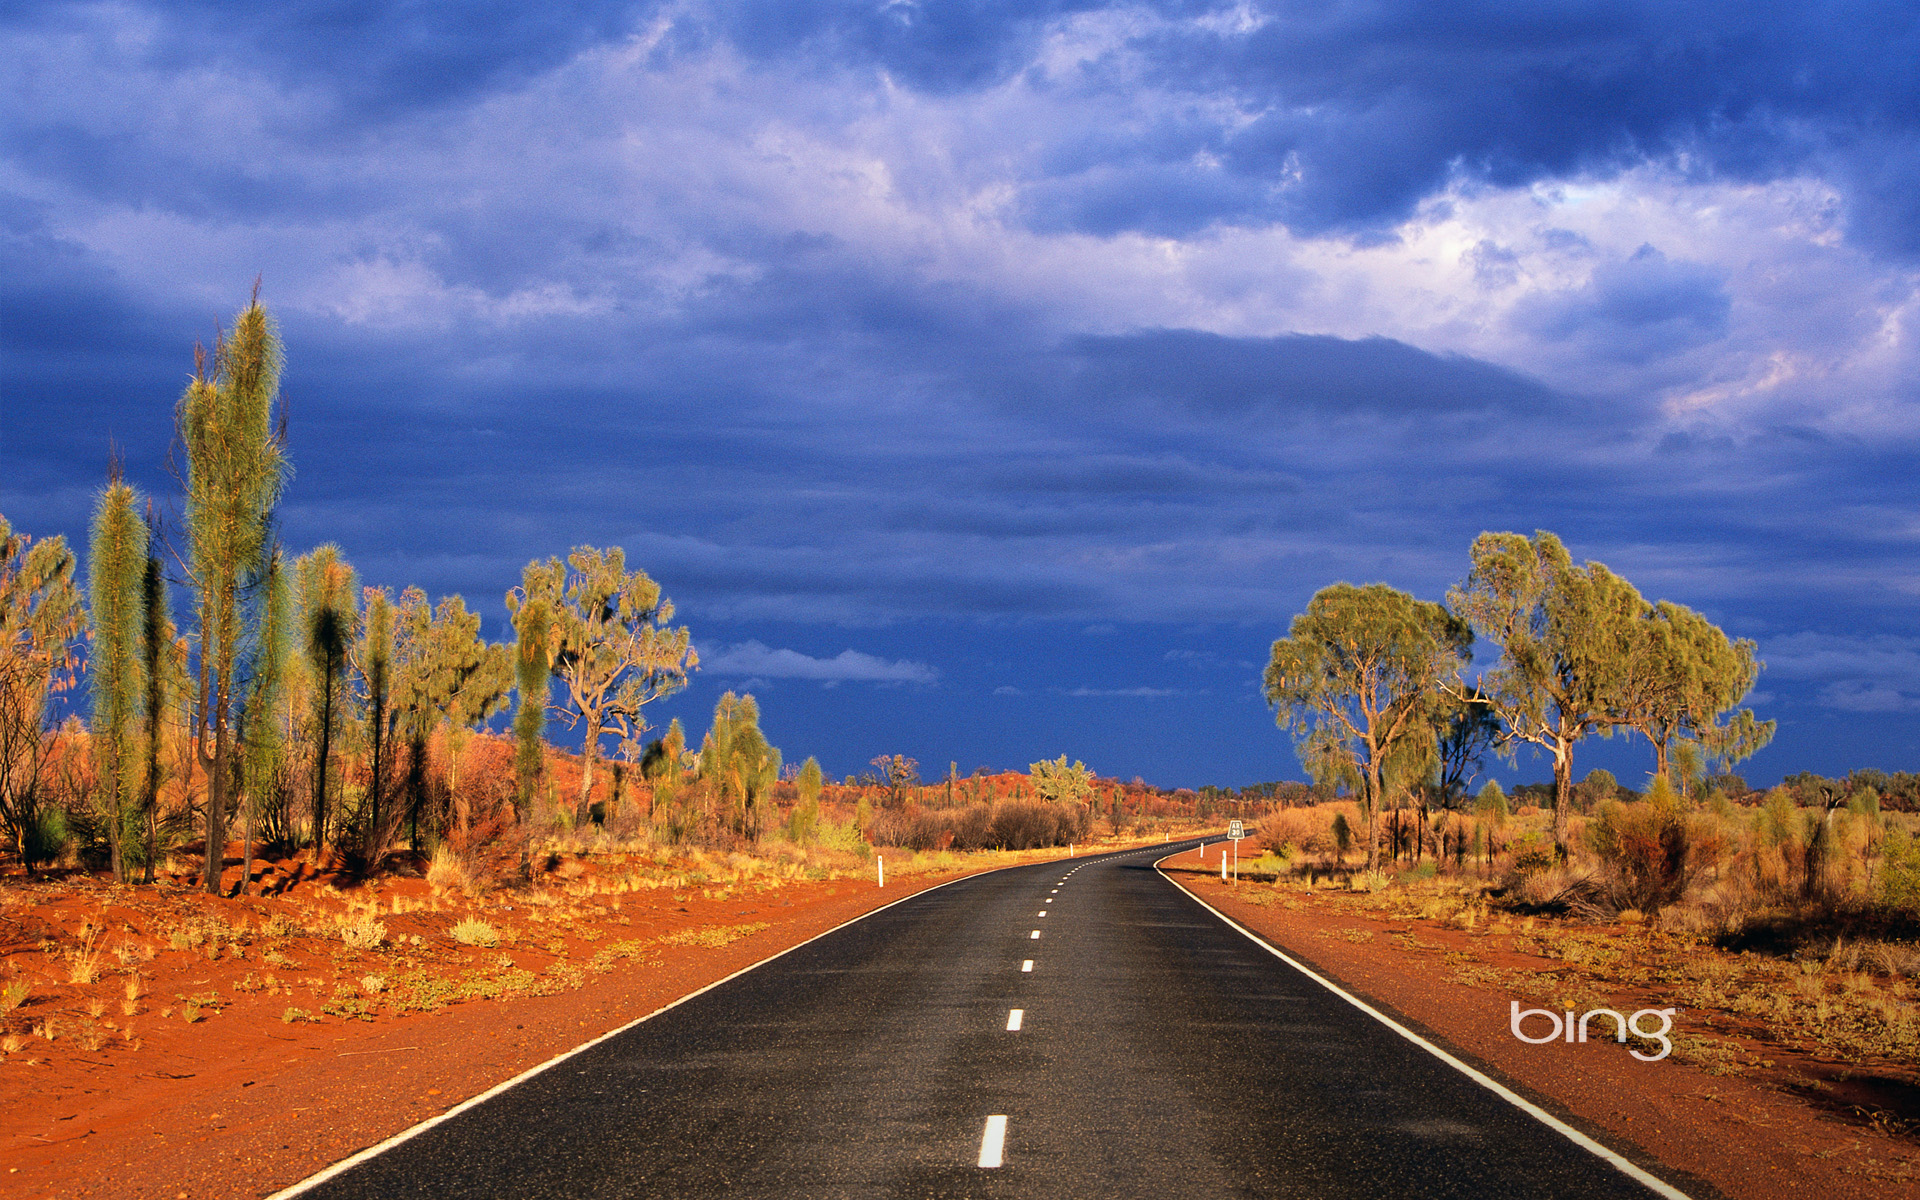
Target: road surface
{"points": [[1066, 1029]]}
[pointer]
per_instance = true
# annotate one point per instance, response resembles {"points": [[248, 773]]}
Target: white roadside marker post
{"points": [[880, 864], [1223, 868]]}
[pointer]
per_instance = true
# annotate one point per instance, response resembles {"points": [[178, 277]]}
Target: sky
{"points": [[986, 381]]}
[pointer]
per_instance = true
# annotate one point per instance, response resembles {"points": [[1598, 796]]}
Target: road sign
{"points": [[1236, 829]]}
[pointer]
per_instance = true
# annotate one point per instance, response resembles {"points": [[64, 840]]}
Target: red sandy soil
{"points": [[1743, 1134], [243, 1102]]}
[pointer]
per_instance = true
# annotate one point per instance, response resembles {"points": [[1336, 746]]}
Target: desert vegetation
{"points": [[198, 698]]}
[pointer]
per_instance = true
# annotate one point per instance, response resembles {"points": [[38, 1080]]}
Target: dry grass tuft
{"points": [[472, 931]]}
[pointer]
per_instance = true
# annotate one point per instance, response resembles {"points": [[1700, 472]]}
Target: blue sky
{"points": [[986, 381]]}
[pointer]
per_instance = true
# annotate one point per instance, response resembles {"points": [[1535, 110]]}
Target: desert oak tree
{"points": [[1361, 678]]}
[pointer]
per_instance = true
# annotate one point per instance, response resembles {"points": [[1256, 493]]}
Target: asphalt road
{"points": [[1158, 1053]]}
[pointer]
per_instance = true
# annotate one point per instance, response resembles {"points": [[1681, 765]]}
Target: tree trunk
{"points": [[1562, 793], [217, 800], [246, 846], [1373, 817], [583, 810], [320, 769]]}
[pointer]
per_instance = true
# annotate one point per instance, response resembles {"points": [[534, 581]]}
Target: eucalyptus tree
{"points": [[236, 467], [1566, 636], [609, 644], [41, 621], [1362, 679], [328, 623], [737, 764], [116, 573], [1686, 682]]}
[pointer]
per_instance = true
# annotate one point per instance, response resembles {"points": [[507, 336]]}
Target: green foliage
{"points": [[1362, 679], [1491, 804], [609, 643], [1778, 820], [116, 571], [1566, 636], [1900, 872], [532, 662], [804, 820], [264, 765], [236, 468], [1342, 834], [1685, 680], [328, 620], [1057, 781], [737, 763], [41, 620]]}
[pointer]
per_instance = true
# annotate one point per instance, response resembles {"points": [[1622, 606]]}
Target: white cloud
{"points": [[758, 659]]}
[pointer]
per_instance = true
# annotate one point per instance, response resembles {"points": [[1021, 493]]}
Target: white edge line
{"points": [[1620, 1163], [406, 1135]]}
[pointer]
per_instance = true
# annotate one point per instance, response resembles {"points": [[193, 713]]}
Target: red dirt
{"points": [[242, 1102], [1743, 1135]]}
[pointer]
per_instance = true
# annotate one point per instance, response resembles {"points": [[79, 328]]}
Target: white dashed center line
{"points": [[993, 1142], [1014, 1017], [1027, 966], [1043, 912], [1036, 935]]}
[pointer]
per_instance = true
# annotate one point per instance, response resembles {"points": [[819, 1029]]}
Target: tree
{"points": [[263, 763], [737, 763], [116, 575], [806, 814], [163, 663], [1687, 677], [1566, 636], [329, 622], [662, 763], [444, 674], [609, 644], [532, 664], [1056, 780], [1361, 678], [373, 662], [236, 468], [1470, 731], [897, 774], [41, 621]]}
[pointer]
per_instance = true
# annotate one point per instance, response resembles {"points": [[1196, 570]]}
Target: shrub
{"points": [[448, 869], [363, 933], [1900, 872], [472, 931], [1652, 851]]}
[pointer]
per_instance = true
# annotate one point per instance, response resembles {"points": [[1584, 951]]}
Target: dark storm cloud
{"points": [[1641, 309], [372, 56], [1301, 375]]}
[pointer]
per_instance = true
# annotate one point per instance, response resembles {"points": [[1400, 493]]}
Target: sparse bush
{"points": [[1652, 851], [449, 869], [362, 933], [472, 931], [1900, 872]]}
